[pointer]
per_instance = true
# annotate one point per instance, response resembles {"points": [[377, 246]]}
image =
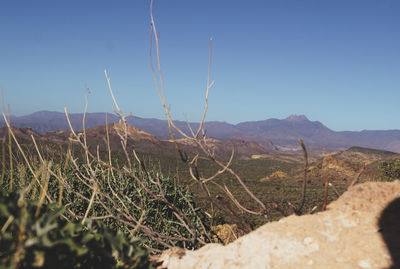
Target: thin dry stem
{"points": [[24, 156], [3, 159], [201, 142], [303, 193], [37, 148], [207, 91], [221, 171], [10, 152], [236, 202], [6, 224], [358, 175], [334, 189], [45, 181], [325, 194]]}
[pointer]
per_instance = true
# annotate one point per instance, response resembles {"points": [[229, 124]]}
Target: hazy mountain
{"points": [[45, 121], [272, 134], [285, 133]]}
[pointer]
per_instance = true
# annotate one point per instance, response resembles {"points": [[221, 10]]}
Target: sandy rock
{"points": [[359, 230], [226, 233], [334, 167], [274, 175]]}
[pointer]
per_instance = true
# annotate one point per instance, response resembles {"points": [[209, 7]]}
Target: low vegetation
{"points": [[391, 169], [34, 236]]}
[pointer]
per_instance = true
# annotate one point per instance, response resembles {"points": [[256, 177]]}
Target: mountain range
{"points": [[272, 134]]}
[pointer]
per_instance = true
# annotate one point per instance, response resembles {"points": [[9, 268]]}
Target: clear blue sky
{"points": [[336, 61]]}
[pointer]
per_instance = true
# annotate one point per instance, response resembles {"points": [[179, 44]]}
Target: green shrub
{"points": [[152, 212], [391, 169], [50, 241]]}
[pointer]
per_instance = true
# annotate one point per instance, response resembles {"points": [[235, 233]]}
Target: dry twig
{"points": [[303, 193], [325, 194], [358, 175]]}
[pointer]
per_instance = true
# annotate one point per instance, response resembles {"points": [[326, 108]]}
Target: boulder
{"points": [[359, 230]]}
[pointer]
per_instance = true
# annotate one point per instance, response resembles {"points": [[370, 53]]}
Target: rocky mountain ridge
{"points": [[272, 134]]}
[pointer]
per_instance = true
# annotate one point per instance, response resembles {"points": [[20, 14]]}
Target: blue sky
{"points": [[336, 61]]}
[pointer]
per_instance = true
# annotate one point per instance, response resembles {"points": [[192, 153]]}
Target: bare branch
{"points": [[24, 156], [334, 189], [303, 194], [325, 194], [358, 175], [221, 171], [238, 204], [207, 91]]}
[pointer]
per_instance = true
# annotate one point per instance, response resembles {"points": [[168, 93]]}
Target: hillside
{"points": [[272, 134], [363, 155], [343, 166], [141, 141]]}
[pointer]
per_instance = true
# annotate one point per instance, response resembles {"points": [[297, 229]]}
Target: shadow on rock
{"points": [[389, 227]]}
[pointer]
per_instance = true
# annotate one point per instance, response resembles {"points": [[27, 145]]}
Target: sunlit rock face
{"points": [[359, 230]]}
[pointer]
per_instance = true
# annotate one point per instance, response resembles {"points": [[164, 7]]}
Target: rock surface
{"points": [[275, 175], [359, 230]]}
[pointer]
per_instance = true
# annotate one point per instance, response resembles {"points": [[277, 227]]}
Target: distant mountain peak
{"points": [[45, 114], [297, 118]]}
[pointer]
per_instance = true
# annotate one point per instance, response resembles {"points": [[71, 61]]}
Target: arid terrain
{"points": [[273, 172]]}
